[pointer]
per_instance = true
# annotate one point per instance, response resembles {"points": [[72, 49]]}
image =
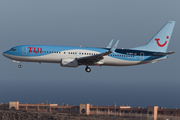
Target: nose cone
{"points": [[5, 54]]}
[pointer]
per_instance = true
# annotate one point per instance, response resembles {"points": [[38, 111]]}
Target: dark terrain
{"points": [[26, 115]]}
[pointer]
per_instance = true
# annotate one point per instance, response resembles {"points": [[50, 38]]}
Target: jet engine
{"points": [[69, 62]]}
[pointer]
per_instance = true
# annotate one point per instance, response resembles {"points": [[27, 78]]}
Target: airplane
{"points": [[68, 56]]}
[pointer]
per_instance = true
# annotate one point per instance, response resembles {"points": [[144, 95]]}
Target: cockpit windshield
{"points": [[12, 49]]}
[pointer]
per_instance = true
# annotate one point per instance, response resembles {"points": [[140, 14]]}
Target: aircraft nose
{"points": [[5, 54]]}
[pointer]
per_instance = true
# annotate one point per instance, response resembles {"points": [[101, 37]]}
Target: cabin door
{"points": [[24, 51], [141, 56]]}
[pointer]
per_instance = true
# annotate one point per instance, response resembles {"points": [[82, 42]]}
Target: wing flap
{"points": [[94, 58]]}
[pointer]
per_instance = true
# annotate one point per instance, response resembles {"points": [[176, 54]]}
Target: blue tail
{"points": [[160, 42]]}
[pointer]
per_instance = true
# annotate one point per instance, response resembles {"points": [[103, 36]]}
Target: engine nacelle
{"points": [[69, 62]]}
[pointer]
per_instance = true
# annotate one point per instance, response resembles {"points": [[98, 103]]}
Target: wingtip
{"points": [[171, 21]]}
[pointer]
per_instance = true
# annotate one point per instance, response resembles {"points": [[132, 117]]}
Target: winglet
{"points": [[110, 44], [113, 49]]}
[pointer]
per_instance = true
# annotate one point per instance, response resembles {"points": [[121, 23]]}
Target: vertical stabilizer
{"points": [[160, 42]]}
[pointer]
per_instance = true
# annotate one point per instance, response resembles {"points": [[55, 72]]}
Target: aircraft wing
{"points": [[93, 58], [97, 57], [162, 54]]}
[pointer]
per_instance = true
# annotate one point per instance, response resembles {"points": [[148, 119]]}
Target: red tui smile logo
{"points": [[161, 45]]}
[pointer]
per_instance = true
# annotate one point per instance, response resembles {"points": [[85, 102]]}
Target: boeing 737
{"points": [[67, 56]]}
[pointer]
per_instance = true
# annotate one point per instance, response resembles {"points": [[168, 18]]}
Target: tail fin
{"points": [[160, 42]]}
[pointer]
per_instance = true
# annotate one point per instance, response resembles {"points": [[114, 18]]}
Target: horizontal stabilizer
{"points": [[162, 54]]}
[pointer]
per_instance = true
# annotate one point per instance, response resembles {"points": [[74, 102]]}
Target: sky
{"points": [[91, 23]]}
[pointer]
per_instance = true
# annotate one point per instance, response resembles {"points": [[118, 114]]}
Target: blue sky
{"points": [[88, 23]]}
